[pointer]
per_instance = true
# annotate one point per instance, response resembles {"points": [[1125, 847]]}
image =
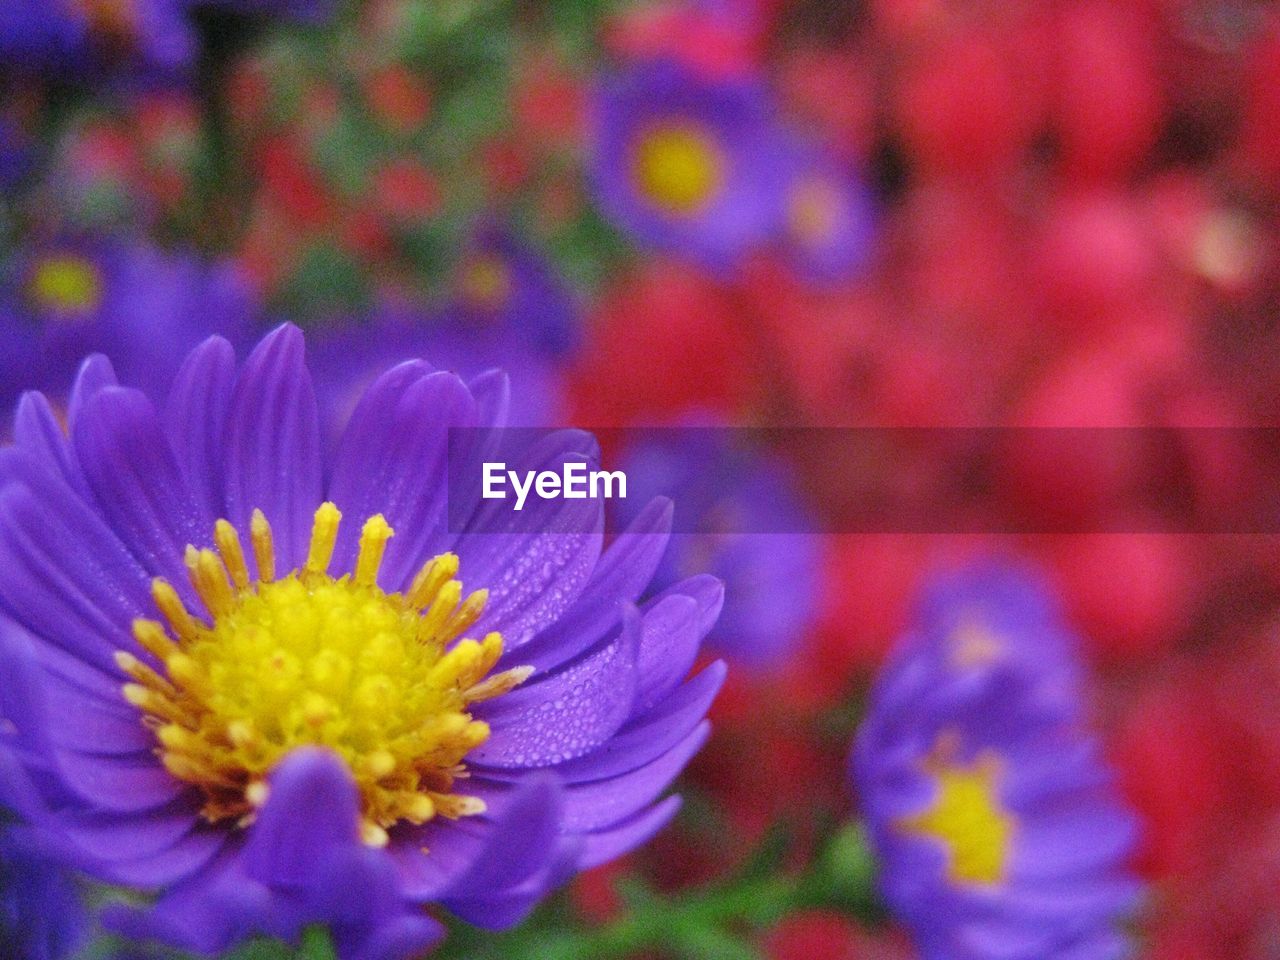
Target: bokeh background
{"points": [[764, 213]]}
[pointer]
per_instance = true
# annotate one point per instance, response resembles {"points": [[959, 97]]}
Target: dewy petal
{"points": [[645, 738], [534, 564], [668, 647], [60, 578], [135, 479], [393, 460], [565, 714], [624, 570], [273, 444], [196, 419]]}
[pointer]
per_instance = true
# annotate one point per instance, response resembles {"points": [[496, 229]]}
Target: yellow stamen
{"points": [[373, 543], [264, 551], [228, 542], [173, 609], [434, 574], [324, 534], [209, 577], [383, 680]]}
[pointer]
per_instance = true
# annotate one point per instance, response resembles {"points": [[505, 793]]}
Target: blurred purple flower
{"points": [[826, 217], [16, 148], [504, 289], [41, 915], [739, 517], [997, 827], [90, 40], [220, 716], [143, 306], [86, 39], [684, 163]]}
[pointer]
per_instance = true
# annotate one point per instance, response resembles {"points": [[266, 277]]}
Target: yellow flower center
{"points": [[966, 817], [381, 679], [485, 282], [678, 168], [114, 17], [66, 283], [813, 210], [974, 643]]}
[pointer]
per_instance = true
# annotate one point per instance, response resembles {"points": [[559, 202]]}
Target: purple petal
{"points": [[65, 578], [521, 846], [514, 839], [646, 738], [624, 570], [607, 845], [668, 648], [196, 418], [120, 784], [602, 803], [393, 459], [534, 565], [312, 808], [567, 713], [273, 445], [136, 482], [95, 374], [37, 431]]}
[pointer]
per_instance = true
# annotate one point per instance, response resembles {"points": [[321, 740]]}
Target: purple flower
{"points": [[262, 686], [35, 33], [684, 163], [825, 214], [143, 306], [41, 915], [147, 37], [739, 517], [16, 149], [505, 289], [997, 827], [86, 40]]}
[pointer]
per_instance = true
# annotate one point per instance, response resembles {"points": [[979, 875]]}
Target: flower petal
{"points": [[393, 460], [196, 419], [136, 483], [273, 445], [565, 714]]}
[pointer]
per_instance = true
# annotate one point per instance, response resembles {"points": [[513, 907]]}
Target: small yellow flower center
{"points": [[974, 643], [114, 17], [813, 210], [485, 282], [66, 283], [966, 817], [678, 168], [381, 679]]}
